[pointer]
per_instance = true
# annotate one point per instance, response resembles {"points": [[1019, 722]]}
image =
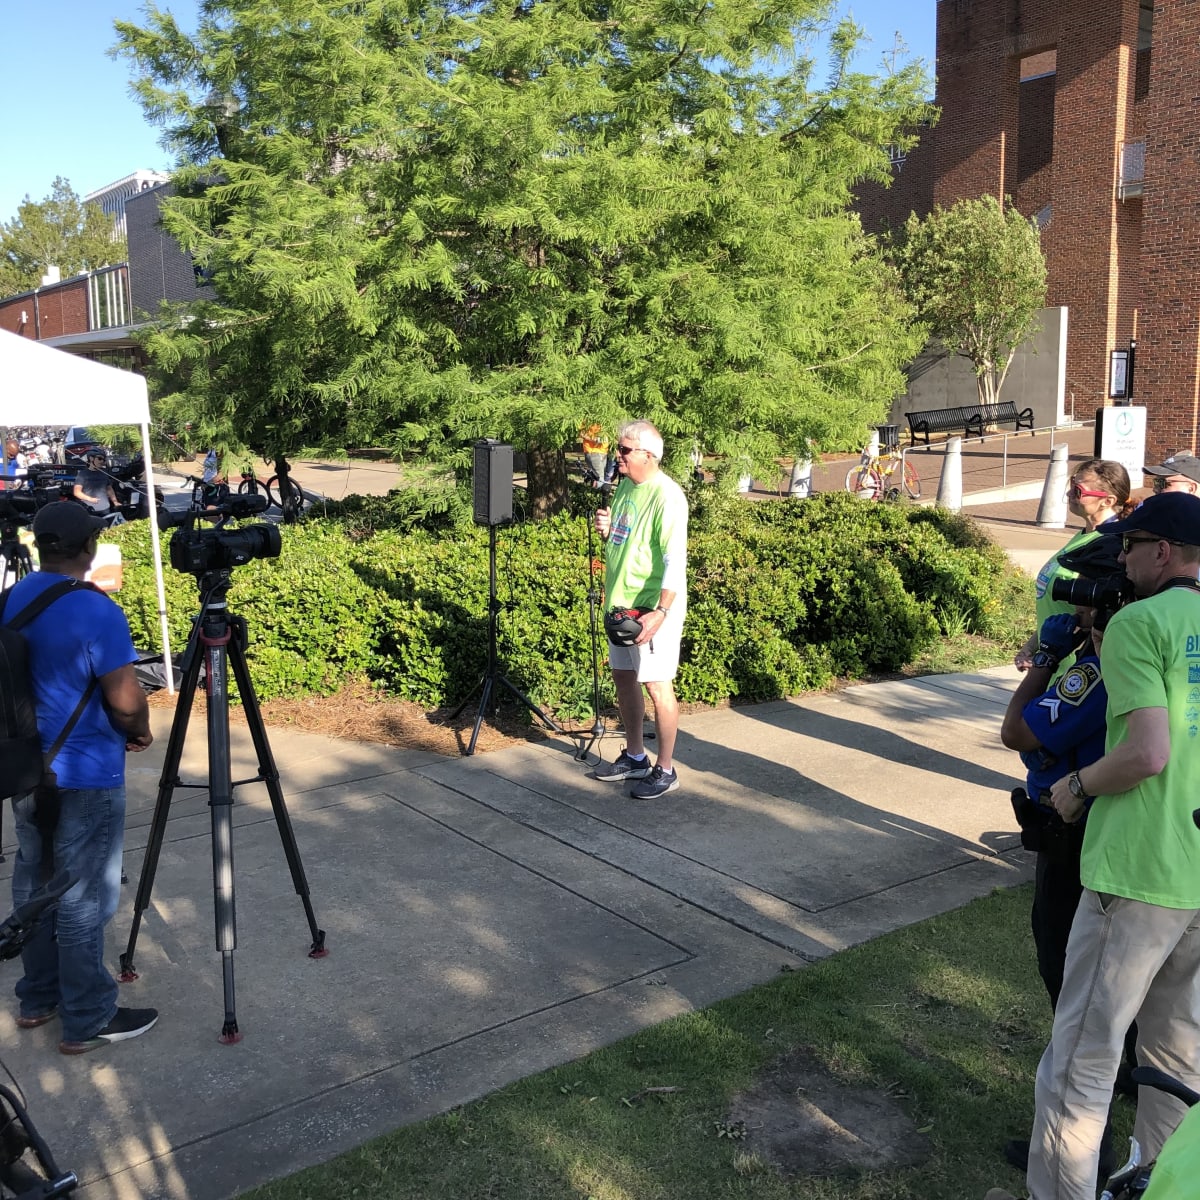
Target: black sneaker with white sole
{"points": [[127, 1023], [657, 783], [625, 767]]}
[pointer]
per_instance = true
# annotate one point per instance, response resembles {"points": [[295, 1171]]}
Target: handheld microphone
{"points": [[608, 481]]}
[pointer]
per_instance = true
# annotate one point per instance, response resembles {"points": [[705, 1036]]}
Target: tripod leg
{"points": [[484, 697], [167, 782], [467, 699], [216, 636], [529, 704], [270, 776]]}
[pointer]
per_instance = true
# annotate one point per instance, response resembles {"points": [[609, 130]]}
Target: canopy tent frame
{"points": [[42, 385]]}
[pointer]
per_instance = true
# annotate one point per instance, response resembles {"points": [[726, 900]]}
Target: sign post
{"points": [[1121, 437]]}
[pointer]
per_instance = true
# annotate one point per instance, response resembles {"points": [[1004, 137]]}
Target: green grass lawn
{"points": [[948, 1017]]}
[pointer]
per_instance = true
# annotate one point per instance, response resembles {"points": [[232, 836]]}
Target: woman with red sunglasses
{"points": [[1098, 493]]}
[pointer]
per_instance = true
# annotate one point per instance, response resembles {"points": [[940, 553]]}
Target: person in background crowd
{"points": [[1179, 473], [93, 486], [16, 465]]}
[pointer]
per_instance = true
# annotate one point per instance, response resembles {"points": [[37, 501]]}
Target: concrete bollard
{"points": [[949, 493], [1052, 511], [872, 448], [800, 484]]}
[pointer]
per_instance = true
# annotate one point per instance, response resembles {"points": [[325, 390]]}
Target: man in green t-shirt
{"points": [[645, 568], [1134, 951]]}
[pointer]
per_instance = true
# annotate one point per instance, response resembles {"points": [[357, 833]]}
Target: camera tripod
{"points": [[493, 675], [218, 639]]}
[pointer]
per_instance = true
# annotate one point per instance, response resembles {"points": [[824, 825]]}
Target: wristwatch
{"points": [[1076, 786], [1043, 658], [659, 608]]}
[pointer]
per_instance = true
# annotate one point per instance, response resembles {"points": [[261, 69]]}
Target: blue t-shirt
{"points": [[80, 636], [1069, 721]]}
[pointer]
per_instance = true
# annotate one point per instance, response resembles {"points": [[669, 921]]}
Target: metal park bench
{"points": [[972, 419]]}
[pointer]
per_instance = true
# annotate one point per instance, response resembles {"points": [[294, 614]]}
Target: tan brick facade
{"points": [[1037, 101]]}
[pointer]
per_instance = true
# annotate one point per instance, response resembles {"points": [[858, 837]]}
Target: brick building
{"points": [[1083, 112], [96, 314], [88, 314]]}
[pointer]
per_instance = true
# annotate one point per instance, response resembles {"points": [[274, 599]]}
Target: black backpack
{"points": [[24, 765]]}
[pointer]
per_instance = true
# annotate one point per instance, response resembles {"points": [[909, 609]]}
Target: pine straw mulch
{"points": [[358, 713]]}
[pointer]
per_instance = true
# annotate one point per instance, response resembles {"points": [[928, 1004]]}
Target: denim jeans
{"points": [[64, 960]]}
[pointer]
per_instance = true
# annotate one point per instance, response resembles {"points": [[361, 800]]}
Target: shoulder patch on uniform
{"points": [[1078, 683]]}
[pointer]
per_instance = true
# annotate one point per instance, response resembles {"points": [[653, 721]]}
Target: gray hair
{"points": [[645, 434]]}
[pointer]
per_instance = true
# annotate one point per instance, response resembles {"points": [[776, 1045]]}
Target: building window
{"points": [[108, 300]]}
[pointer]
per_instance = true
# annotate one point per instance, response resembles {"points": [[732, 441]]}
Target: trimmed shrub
{"points": [[783, 597]]}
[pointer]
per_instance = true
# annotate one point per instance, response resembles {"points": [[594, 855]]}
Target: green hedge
{"points": [[783, 597]]}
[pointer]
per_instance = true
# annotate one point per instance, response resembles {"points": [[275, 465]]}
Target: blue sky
{"points": [[73, 115]]}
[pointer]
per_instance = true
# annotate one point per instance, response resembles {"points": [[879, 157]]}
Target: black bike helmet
{"points": [[622, 625]]}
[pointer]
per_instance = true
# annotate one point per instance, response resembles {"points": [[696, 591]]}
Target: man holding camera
{"points": [[81, 663], [1134, 950], [645, 569]]}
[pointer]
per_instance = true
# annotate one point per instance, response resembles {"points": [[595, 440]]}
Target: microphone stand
{"points": [[593, 597]]}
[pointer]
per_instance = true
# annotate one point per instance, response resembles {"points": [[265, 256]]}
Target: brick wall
{"points": [[1035, 144], [1168, 370], [158, 269], [882, 208], [1093, 240], [57, 309]]}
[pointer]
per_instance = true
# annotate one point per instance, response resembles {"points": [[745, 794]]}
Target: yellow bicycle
{"points": [[884, 476]]}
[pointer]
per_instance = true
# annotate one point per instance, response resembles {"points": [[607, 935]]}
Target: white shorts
{"points": [[658, 660]]}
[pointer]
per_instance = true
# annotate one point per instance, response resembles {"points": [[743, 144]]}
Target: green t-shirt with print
{"points": [[648, 520], [1142, 844]]}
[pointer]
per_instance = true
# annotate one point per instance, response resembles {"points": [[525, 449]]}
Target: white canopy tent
{"points": [[40, 385]]}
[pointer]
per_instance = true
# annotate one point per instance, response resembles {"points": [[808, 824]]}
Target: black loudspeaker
{"points": [[493, 482]]}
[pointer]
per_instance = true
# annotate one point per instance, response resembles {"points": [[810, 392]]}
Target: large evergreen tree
{"points": [[445, 219], [57, 231]]}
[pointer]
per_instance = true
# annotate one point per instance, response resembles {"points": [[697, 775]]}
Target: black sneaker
{"points": [[624, 768], [657, 783], [128, 1023]]}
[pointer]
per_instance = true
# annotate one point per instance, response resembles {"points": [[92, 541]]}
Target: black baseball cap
{"points": [[1173, 516], [1178, 464], [64, 526]]}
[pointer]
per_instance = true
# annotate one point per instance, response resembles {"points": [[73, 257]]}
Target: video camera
{"points": [[196, 551], [1102, 583], [16, 511]]}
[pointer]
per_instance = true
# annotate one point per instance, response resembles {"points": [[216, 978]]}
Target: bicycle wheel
{"points": [[912, 481], [290, 499], [251, 487], [864, 482]]}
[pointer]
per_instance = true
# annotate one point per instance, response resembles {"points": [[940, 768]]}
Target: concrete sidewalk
{"points": [[494, 916]]}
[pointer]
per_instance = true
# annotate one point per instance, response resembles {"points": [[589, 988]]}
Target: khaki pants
{"points": [[1125, 960]]}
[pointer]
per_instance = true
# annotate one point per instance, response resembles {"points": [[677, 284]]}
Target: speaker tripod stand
{"points": [[493, 677], [218, 640]]}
